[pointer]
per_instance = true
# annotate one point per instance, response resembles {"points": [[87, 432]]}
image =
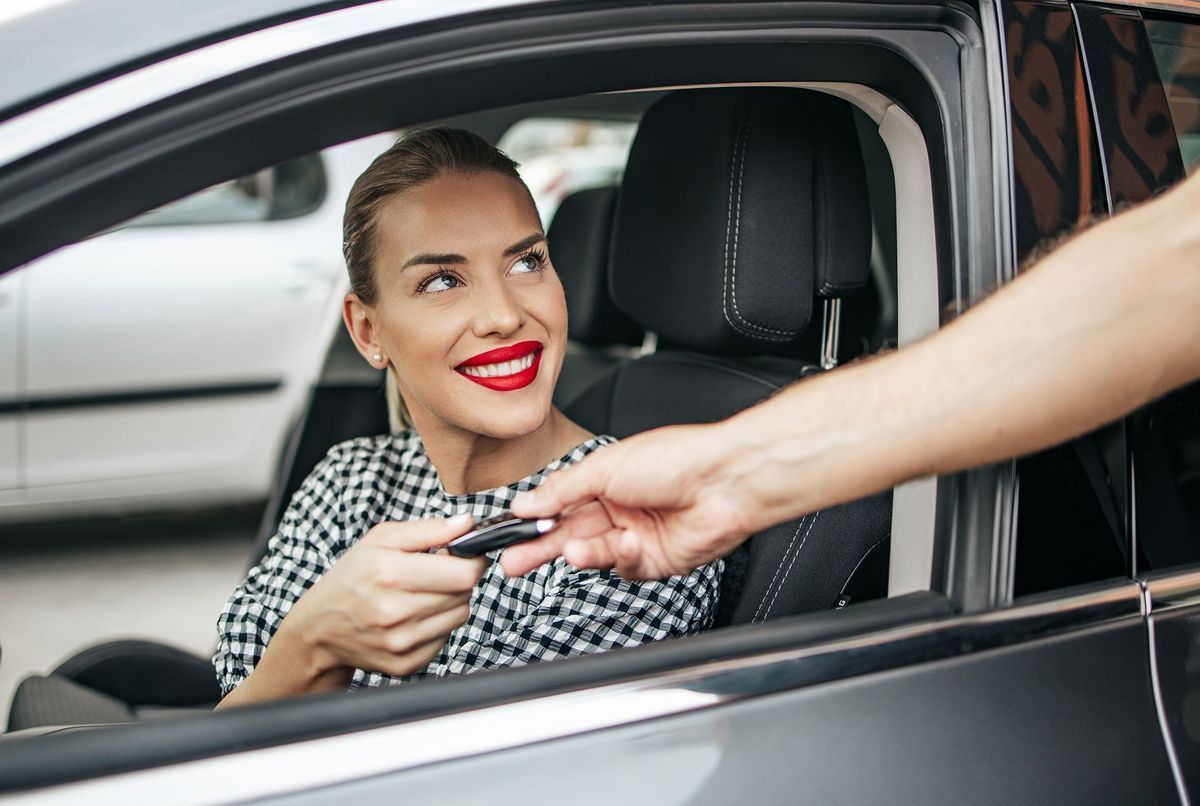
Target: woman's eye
{"points": [[526, 264], [443, 281]]}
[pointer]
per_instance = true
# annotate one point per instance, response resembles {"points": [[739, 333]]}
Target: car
{"points": [[1022, 632], [200, 418]]}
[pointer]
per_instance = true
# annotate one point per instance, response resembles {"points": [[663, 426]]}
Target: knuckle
{"points": [[398, 642], [468, 575], [378, 575], [385, 615]]}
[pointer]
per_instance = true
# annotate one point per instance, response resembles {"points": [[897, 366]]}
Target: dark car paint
{"points": [[1066, 720]]}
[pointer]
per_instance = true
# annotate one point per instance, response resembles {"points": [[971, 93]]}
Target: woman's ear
{"points": [[360, 321]]}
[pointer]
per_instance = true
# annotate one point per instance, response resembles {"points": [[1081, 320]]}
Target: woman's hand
{"points": [[385, 606], [658, 504]]}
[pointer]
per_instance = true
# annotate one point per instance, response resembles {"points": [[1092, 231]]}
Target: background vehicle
{"points": [[145, 382], [1036, 639]]}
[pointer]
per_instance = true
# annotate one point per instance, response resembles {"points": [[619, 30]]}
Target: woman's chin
{"points": [[511, 424]]}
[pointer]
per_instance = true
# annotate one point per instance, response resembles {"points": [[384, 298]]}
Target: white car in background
{"points": [[130, 378]]}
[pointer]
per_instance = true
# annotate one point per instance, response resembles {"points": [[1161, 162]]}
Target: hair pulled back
{"points": [[415, 159]]}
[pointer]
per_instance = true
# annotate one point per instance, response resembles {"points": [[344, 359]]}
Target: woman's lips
{"points": [[504, 369]]}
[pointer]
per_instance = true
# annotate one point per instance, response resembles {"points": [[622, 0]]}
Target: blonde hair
{"points": [[398, 417]]}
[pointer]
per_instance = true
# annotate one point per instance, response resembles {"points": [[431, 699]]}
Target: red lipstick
{"points": [[510, 380]]}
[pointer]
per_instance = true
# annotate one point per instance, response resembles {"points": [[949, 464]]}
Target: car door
{"points": [[949, 695], [1145, 69], [1123, 499]]}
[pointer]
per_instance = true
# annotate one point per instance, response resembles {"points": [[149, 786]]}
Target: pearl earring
{"points": [[378, 357]]}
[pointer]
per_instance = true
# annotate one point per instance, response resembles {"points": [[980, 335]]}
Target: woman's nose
{"points": [[498, 312]]}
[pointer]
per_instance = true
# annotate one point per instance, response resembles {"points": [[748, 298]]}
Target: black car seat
{"points": [[128, 681], [599, 336], [737, 207]]}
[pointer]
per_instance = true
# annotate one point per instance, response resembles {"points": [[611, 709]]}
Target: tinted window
{"points": [[1166, 435], [1070, 514], [1176, 47]]}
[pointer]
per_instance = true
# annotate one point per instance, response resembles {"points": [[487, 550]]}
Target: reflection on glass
{"points": [[1176, 48]]}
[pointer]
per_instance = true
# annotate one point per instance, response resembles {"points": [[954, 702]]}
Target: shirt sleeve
{"points": [[593, 611], [296, 557]]}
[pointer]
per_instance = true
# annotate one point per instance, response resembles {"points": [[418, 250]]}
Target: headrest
{"points": [[736, 206], [579, 239]]}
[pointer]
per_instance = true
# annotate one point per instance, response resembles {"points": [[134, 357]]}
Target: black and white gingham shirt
{"points": [[552, 612]]}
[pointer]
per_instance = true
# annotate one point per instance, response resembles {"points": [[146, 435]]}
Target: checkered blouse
{"points": [[552, 612]]}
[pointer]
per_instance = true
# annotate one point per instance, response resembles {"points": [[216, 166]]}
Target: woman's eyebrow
{"points": [[431, 258], [524, 243]]}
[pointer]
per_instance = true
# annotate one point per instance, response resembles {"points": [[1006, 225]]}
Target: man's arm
{"points": [[1101, 326]]}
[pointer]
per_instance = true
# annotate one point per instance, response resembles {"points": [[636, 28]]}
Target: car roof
{"points": [[51, 47], [47, 50]]}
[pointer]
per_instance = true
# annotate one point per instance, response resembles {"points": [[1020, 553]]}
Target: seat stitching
{"points": [[729, 290], [795, 557], [778, 568]]}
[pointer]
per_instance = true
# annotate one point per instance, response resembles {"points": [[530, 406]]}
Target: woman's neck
{"points": [[468, 462]]}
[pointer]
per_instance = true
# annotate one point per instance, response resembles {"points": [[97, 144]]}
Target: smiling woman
{"points": [[455, 294]]}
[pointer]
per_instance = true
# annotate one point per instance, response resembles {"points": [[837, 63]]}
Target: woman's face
{"points": [[469, 311]]}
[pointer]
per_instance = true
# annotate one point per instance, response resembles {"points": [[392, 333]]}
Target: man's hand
{"points": [[658, 504]]}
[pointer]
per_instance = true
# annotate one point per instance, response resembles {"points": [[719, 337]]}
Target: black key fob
{"points": [[498, 531]]}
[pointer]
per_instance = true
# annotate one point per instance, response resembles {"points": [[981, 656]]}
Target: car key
{"points": [[498, 531]]}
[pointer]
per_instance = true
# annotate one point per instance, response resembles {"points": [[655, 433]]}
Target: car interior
{"points": [[794, 259]]}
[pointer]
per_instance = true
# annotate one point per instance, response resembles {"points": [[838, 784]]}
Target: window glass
{"points": [[1165, 435], [1071, 511], [559, 156], [288, 190], [1176, 47]]}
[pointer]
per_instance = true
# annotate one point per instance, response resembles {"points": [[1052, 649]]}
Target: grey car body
{"points": [[974, 684]]}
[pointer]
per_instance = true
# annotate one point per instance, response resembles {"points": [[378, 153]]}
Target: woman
{"points": [[454, 294]]}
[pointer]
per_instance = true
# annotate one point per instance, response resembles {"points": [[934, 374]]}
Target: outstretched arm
{"points": [[1101, 326]]}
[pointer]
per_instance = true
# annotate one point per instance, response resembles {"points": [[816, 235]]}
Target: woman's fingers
{"points": [[406, 606], [430, 573], [417, 536], [402, 647], [400, 665], [435, 626]]}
